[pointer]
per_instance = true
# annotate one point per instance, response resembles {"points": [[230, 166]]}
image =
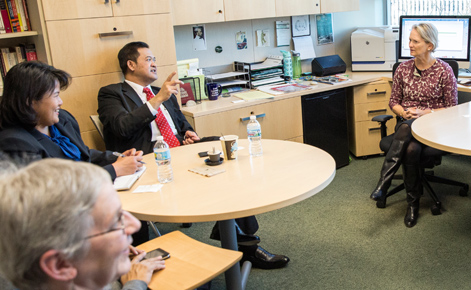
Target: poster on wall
{"points": [[241, 40], [325, 32], [301, 25], [199, 37], [263, 38]]}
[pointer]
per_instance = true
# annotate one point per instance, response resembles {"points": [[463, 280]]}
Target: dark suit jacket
{"points": [[126, 120], [18, 142]]}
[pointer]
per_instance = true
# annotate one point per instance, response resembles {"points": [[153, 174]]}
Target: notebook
{"points": [[126, 182]]}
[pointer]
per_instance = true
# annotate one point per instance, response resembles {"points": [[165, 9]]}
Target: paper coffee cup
{"points": [[229, 146]]}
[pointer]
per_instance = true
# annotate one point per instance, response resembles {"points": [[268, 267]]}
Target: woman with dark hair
{"points": [[32, 123]]}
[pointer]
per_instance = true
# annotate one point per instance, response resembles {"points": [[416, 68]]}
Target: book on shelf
{"points": [[30, 50], [2, 26], [13, 14], [4, 14], [26, 17], [21, 15], [20, 53]]}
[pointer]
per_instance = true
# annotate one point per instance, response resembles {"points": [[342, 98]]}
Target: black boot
{"points": [[391, 164], [413, 185]]}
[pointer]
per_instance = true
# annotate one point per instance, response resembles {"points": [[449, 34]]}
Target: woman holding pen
{"points": [[33, 125]]}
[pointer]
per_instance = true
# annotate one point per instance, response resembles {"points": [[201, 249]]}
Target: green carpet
{"points": [[338, 239]]}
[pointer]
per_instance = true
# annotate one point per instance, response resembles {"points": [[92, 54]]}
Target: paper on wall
{"points": [[304, 46]]}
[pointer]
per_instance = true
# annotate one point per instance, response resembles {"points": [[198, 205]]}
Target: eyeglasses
{"points": [[121, 227]]}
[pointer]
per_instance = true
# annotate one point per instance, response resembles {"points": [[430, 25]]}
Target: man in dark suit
{"points": [[128, 110]]}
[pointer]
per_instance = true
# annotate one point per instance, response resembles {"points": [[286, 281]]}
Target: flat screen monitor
{"points": [[453, 36]]}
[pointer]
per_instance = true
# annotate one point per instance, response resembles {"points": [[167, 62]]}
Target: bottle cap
{"points": [[253, 117]]}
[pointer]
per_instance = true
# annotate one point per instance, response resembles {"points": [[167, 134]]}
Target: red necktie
{"points": [[162, 124]]}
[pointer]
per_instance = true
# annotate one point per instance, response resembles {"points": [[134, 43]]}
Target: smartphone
{"points": [[203, 154], [158, 252]]}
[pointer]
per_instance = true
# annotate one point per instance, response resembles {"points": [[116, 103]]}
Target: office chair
{"points": [[98, 125], [426, 162]]}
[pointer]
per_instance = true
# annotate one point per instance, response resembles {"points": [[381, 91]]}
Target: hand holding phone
{"points": [[158, 252]]}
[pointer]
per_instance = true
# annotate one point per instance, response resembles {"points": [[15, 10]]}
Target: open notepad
{"points": [[126, 182]]}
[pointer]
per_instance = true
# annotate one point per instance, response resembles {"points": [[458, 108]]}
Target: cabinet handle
{"points": [[374, 129], [377, 111], [256, 116], [220, 11], [106, 1], [117, 1], [376, 93], [117, 33]]}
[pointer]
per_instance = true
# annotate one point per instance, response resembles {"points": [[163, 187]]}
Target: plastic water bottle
{"points": [[254, 132], [163, 160]]}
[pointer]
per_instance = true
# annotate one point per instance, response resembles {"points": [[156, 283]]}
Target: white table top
{"points": [[288, 172], [448, 130]]}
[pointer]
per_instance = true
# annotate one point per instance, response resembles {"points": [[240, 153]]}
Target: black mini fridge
{"points": [[325, 123]]}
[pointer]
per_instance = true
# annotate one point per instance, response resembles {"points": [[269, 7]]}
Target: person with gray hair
{"points": [[63, 227], [421, 85]]}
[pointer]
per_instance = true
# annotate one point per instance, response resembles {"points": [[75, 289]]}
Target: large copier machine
{"points": [[374, 48]]}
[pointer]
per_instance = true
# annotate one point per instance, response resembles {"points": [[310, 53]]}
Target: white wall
{"points": [[223, 34]]}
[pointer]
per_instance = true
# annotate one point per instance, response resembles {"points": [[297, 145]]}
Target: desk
{"points": [[447, 130], [288, 172]]}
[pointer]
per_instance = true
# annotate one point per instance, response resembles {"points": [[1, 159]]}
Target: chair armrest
{"points": [[382, 118]]}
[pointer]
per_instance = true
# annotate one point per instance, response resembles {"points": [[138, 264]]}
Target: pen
{"points": [[324, 82], [122, 155]]}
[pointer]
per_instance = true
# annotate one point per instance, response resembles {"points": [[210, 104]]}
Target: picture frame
{"points": [[325, 31], [300, 25]]}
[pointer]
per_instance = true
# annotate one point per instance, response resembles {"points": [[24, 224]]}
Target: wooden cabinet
{"points": [[330, 6], [249, 9], [297, 7], [197, 11], [366, 102], [84, 38], [74, 9], [281, 120]]}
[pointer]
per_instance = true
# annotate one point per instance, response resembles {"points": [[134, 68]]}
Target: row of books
{"points": [[10, 56], [14, 16]]}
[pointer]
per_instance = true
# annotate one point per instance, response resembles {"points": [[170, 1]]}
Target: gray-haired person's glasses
{"points": [[121, 227]]}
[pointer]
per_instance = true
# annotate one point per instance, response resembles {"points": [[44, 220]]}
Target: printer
{"points": [[374, 48]]}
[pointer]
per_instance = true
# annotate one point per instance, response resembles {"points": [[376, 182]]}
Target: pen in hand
{"points": [[122, 155]]}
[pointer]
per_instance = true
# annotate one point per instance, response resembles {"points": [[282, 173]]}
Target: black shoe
{"points": [[261, 258], [243, 239], [378, 194], [411, 217]]}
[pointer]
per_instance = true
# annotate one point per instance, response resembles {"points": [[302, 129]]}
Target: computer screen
{"points": [[453, 36]]}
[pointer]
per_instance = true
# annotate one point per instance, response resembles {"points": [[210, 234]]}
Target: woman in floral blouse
{"points": [[421, 85]]}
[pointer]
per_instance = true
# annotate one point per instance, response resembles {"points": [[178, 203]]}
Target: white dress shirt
{"points": [[155, 130]]}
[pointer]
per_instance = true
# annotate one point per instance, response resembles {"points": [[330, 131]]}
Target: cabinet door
{"points": [[329, 6], [133, 7], [249, 9], [197, 11], [73, 9], [282, 120], [297, 7], [80, 40]]}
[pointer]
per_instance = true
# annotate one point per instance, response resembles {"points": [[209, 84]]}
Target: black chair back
{"points": [[453, 64]]}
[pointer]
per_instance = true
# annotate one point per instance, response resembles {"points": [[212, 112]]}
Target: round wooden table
{"points": [[288, 172], [448, 130]]}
